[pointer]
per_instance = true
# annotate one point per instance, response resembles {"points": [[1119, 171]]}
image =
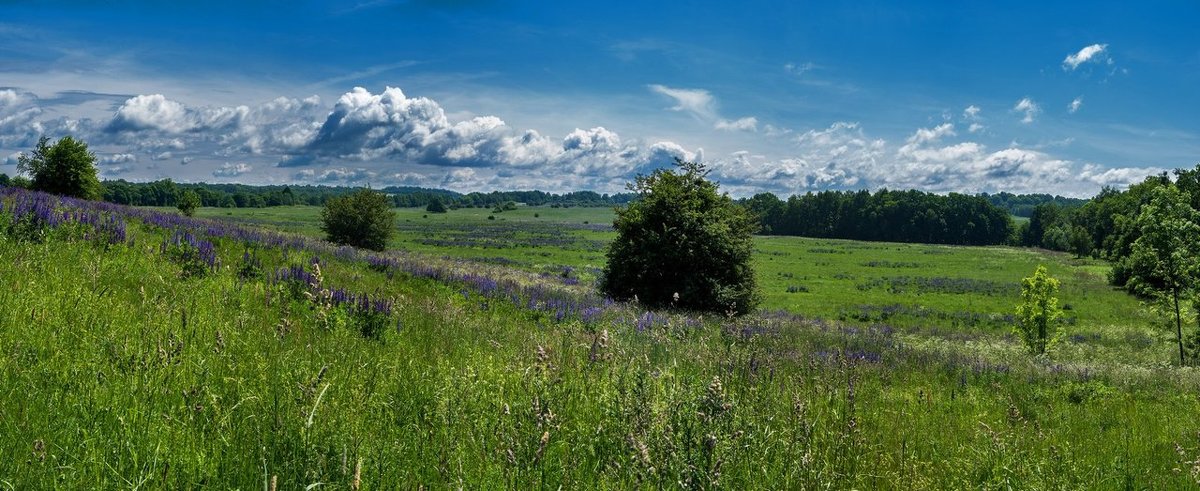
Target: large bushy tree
{"points": [[682, 244], [188, 202], [435, 205], [360, 219], [1165, 260], [66, 167]]}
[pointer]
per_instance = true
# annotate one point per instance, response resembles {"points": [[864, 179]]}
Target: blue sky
{"points": [[788, 97]]}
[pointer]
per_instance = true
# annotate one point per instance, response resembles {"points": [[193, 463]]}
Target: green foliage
{"points": [[1038, 312], [1046, 228], [4, 179], [682, 244], [435, 206], [1165, 260], [363, 219], [1057, 239], [893, 216], [67, 167], [188, 202], [1081, 241]]}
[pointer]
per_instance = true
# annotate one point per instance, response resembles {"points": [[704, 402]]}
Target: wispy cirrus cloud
{"points": [[697, 102]]}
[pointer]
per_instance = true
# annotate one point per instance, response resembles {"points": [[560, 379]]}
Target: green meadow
{"points": [[892, 367], [940, 291]]}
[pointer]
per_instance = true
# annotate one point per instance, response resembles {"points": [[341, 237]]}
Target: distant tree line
{"points": [[1022, 205], [896, 216], [535, 198], [166, 192]]}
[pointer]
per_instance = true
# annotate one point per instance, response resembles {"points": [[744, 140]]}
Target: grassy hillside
{"points": [[943, 291], [132, 356]]}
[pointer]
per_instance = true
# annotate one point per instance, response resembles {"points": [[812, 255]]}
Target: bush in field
{"points": [[435, 206], [681, 244], [67, 167], [1038, 313], [360, 219], [188, 202]]}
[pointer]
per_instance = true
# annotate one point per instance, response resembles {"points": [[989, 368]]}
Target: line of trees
{"points": [[166, 192], [1022, 205], [1105, 226], [896, 216]]}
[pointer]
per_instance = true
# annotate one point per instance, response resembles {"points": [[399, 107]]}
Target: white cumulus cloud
{"points": [[1027, 107], [748, 123], [1075, 104], [117, 159], [1084, 55], [232, 170]]}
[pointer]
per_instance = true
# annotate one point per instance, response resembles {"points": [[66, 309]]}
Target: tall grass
{"points": [[118, 370]]}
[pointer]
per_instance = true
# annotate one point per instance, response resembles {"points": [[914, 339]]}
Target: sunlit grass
{"points": [[117, 373]]}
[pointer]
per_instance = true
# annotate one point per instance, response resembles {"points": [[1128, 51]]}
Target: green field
{"points": [[894, 370], [942, 291]]}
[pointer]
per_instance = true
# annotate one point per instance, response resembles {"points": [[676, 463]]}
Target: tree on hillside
{"points": [[435, 205], [1038, 312], [1165, 261], [1081, 241], [681, 244], [188, 202], [360, 219], [1045, 218], [67, 167]]}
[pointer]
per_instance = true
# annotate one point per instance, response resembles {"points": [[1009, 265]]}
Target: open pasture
{"points": [[936, 291], [276, 358]]}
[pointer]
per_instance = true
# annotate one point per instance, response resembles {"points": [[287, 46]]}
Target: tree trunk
{"points": [[1178, 326], [1041, 344]]}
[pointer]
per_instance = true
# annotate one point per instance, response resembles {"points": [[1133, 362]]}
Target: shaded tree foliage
{"points": [[681, 244], [896, 216], [1022, 205], [362, 219], [435, 206]]}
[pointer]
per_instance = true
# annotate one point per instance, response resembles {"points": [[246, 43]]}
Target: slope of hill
{"points": [[144, 349]]}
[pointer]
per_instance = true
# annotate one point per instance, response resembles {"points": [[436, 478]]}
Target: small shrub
{"points": [[435, 206], [361, 219], [188, 202], [1038, 313]]}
